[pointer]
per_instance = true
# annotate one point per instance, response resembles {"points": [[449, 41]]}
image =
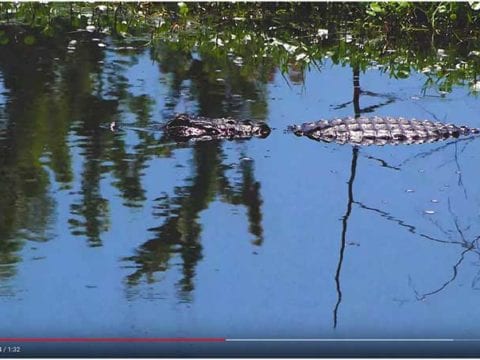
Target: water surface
{"points": [[122, 234]]}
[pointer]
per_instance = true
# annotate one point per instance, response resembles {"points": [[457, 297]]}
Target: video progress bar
{"points": [[212, 340]]}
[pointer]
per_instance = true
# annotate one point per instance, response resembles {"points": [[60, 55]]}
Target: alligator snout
{"points": [[262, 131]]}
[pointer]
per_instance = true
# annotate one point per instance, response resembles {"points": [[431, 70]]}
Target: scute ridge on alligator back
{"points": [[378, 130], [184, 127]]}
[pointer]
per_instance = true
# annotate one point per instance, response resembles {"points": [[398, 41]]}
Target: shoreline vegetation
{"points": [[439, 40]]}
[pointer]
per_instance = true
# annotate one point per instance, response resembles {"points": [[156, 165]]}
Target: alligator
{"points": [[373, 130], [380, 131], [184, 127]]}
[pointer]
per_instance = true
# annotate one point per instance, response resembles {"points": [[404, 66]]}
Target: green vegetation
{"points": [[123, 18], [437, 39]]}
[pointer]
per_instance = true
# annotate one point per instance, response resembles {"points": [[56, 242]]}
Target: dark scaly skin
{"points": [[184, 128], [380, 131]]}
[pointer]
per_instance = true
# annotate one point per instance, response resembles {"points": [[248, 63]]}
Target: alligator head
{"points": [[184, 127]]}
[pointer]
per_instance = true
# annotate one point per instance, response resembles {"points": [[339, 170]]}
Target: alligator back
{"points": [[380, 131], [185, 127]]}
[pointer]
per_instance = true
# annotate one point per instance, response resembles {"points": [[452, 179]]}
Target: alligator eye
{"points": [[179, 120]]}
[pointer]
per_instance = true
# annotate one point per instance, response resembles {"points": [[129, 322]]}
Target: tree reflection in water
{"points": [[180, 233], [26, 204]]}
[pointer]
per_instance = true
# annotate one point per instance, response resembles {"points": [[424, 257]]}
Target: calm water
{"points": [[122, 234]]}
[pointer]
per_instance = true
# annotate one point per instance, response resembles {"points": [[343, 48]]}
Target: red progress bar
{"points": [[110, 340]]}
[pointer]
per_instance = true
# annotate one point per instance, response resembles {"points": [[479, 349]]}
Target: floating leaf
{"points": [[376, 7], [300, 56], [323, 33], [403, 73], [441, 8], [183, 9], [121, 27]]}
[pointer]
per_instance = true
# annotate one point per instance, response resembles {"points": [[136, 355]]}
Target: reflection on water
{"points": [[77, 91], [215, 85], [180, 232], [26, 206], [279, 222]]}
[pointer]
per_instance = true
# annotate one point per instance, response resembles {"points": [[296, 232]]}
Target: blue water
{"points": [[171, 246]]}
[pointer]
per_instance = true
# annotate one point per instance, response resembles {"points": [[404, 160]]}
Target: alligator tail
{"points": [[464, 130]]}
